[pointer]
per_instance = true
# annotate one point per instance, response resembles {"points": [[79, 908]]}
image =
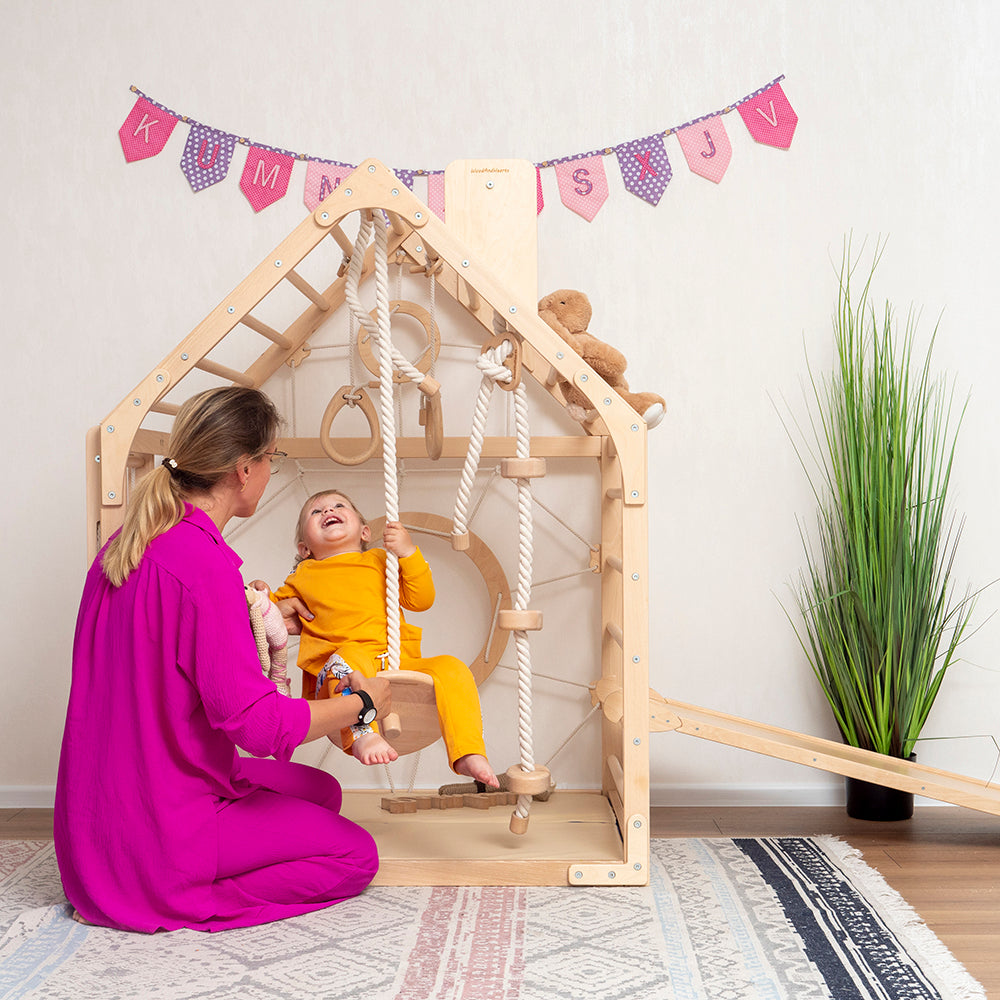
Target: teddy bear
{"points": [[568, 313]]}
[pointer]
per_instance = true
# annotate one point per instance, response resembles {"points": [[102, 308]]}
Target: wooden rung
{"points": [[522, 468], [512, 620], [396, 222], [614, 493], [307, 290], [265, 331], [342, 241], [240, 378], [474, 300], [616, 633], [614, 562], [552, 378], [617, 775], [171, 409]]}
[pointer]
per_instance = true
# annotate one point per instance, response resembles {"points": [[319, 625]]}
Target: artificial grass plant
{"points": [[880, 623]]}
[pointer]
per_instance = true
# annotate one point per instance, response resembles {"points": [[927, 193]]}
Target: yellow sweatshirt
{"points": [[346, 595]]}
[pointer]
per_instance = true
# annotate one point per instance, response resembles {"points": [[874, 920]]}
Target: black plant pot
{"points": [[867, 800]]}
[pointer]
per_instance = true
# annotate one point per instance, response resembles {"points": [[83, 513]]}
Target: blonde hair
{"points": [[299, 534], [212, 433]]}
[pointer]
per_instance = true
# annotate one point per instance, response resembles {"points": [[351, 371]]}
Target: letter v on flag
{"points": [[769, 117], [265, 177], [145, 131]]}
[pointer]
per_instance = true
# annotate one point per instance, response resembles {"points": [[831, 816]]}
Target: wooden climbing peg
{"points": [[512, 620], [522, 468]]}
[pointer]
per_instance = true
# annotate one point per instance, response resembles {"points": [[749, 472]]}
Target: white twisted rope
{"points": [[523, 598], [383, 342], [491, 364], [388, 427]]}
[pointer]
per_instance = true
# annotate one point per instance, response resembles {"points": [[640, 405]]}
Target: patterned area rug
{"points": [[796, 918]]}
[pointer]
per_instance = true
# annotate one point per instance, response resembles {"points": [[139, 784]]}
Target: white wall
{"points": [[714, 295]]}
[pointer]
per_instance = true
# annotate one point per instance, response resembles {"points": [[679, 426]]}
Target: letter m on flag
{"points": [[265, 176]]}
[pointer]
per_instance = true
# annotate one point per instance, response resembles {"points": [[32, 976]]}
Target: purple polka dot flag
{"points": [[406, 176], [769, 117], [207, 156], [645, 168], [322, 179], [706, 148], [265, 176], [583, 185], [145, 131]]}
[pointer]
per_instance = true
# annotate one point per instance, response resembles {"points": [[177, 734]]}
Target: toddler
{"points": [[342, 583]]}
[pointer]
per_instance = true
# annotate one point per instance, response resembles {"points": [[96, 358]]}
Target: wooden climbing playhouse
{"points": [[483, 256]]}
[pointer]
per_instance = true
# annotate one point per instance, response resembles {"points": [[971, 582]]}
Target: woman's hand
{"points": [[291, 609], [397, 540], [293, 612], [329, 715], [377, 688]]}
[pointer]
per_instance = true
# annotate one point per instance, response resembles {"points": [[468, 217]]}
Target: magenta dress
{"points": [[159, 823]]}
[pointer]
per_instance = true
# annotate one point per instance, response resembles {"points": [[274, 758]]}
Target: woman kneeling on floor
{"points": [[159, 822]]}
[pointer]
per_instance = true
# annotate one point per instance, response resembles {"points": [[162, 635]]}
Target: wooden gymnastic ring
{"points": [[513, 360], [433, 424], [489, 568], [349, 395], [430, 352]]}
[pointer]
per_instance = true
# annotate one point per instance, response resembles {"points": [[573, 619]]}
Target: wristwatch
{"points": [[368, 712]]}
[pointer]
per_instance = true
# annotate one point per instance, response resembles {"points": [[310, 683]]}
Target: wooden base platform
{"points": [[475, 846]]}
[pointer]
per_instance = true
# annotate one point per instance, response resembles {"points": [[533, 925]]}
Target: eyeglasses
{"points": [[276, 458]]}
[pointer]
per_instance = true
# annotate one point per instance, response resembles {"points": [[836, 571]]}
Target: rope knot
{"points": [[491, 362]]}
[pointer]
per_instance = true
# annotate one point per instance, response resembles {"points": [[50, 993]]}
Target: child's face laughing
{"points": [[331, 526]]}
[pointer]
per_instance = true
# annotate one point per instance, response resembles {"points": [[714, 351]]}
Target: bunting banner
{"points": [[582, 179]]}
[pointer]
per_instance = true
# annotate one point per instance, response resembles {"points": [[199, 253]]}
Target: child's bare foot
{"points": [[477, 767], [373, 749]]}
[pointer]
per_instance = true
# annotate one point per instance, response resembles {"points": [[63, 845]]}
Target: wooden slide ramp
{"points": [[826, 755]]}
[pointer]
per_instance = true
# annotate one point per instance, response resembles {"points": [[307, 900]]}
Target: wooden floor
{"points": [[945, 861]]}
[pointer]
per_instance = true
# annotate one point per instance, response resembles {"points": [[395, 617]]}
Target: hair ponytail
{"points": [[212, 432]]}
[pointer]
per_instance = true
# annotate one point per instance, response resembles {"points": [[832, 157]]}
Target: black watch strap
{"points": [[368, 713]]}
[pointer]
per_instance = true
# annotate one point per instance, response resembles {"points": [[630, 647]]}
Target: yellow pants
{"points": [[460, 716]]}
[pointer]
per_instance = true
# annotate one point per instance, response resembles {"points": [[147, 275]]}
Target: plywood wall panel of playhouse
{"points": [[492, 206]]}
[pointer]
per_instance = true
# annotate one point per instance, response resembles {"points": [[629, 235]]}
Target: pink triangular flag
{"points": [[769, 117], [145, 131], [322, 179], [265, 177], [435, 193], [583, 185], [706, 148]]}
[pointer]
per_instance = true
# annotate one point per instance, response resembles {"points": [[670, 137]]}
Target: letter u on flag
{"points": [[207, 155], [265, 176], [583, 185], [769, 117], [145, 131], [645, 167]]}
